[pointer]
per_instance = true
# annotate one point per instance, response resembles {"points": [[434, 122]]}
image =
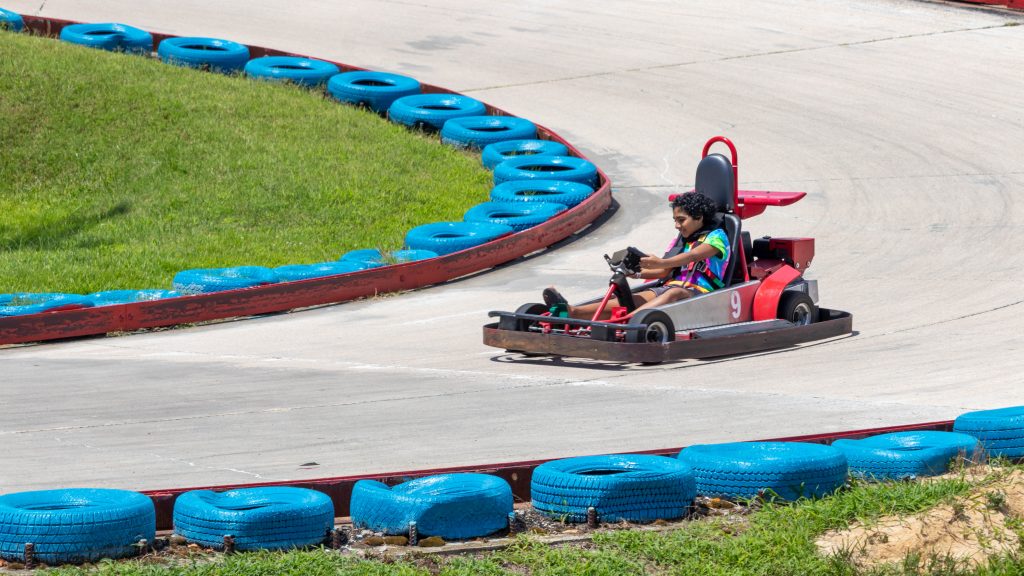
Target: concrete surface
{"points": [[903, 120]]}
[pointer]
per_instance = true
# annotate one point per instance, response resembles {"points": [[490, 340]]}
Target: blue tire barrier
{"points": [[369, 257], [561, 192], [23, 303], [109, 36], [568, 168], [401, 256], [631, 487], [479, 131], [744, 470], [518, 215], [375, 90], [452, 506], [75, 525], [302, 71], [218, 55], [111, 297], [205, 280], [446, 237], [11, 21], [901, 455], [265, 518], [1001, 431], [293, 272], [494, 154], [433, 110]]}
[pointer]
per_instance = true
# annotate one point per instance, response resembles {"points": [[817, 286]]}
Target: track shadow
{"points": [[57, 231]]}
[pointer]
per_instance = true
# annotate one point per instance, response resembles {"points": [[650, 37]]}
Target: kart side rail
{"points": [[770, 335]]}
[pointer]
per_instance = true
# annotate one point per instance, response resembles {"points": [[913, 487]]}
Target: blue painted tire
{"points": [[375, 90], [109, 36], [631, 487], [1001, 431], [479, 131], [111, 297], [494, 154], [402, 256], [518, 215], [23, 303], [302, 71], [744, 469], [446, 237], [293, 272], [75, 525], [561, 192], [433, 110], [901, 455], [219, 55], [568, 168], [266, 518], [204, 280], [451, 506], [369, 257], [11, 21]]}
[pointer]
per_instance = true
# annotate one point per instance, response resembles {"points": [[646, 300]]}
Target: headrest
{"points": [[715, 180]]}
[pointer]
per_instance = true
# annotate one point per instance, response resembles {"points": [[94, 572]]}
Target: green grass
{"points": [[776, 540], [117, 171]]}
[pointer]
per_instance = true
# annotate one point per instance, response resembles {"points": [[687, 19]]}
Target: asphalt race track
{"points": [[903, 120]]}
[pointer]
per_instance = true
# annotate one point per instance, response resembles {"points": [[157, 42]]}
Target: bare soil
{"points": [[971, 529]]}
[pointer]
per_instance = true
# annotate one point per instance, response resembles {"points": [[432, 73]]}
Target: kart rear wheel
{"points": [[660, 328], [798, 308]]}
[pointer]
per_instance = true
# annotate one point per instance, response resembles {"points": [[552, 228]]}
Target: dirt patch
{"points": [[972, 529]]}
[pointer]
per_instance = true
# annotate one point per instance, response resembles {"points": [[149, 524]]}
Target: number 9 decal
{"points": [[734, 301]]}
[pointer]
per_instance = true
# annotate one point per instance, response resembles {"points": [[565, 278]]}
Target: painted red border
{"points": [[305, 293]]}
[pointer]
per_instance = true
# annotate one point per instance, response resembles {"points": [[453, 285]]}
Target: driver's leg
{"points": [[586, 311], [673, 294]]}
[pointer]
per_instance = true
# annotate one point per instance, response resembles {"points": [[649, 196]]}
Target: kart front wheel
{"points": [[532, 309], [660, 328], [798, 308]]}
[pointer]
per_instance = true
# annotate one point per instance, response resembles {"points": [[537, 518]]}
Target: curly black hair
{"points": [[696, 205]]}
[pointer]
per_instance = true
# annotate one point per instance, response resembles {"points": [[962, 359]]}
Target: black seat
{"points": [[715, 180]]}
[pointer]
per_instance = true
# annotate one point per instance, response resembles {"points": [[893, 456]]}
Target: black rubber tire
{"points": [[659, 328], [531, 308], [798, 308]]}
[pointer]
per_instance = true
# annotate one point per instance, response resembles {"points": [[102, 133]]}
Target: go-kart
{"points": [[765, 304]]}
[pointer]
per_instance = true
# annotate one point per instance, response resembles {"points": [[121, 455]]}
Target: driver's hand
{"points": [[651, 262]]}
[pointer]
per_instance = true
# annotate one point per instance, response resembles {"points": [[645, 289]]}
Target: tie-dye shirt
{"points": [[695, 280]]}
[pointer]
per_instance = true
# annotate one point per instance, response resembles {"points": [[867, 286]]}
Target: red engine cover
{"points": [[797, 252]]}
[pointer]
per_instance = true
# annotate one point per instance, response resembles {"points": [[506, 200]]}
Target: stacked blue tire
{"points": [[517, 215], [75, 525], [1001, 431], [568, 168], [109, 36], [24, 303], [297, 70], [480, 131], [213, 53], [631, 487], [204, 280], [11, 21], [433, 110], [561, 192], [111, 297], [494, 154], [446, 237], [744, 470], [448, 505], [266, 518], [375, 90], [293, 272], [901, 455]]}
